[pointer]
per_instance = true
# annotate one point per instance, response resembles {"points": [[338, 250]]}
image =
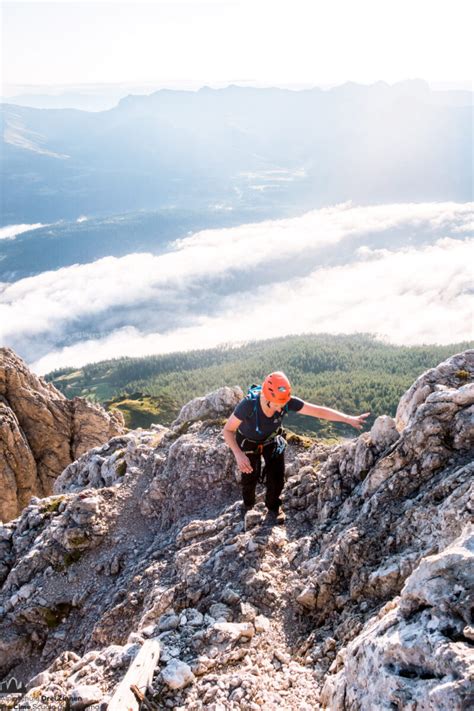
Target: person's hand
{"points": [[358, 421], [243, 462]]}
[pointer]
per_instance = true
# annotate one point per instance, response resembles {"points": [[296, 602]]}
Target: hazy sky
{"points": [[315, 42]]}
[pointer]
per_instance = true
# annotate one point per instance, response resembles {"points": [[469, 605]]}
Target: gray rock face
{"points": [[452, 373], [196, 474], [400, 511], [41, 432], [109, 463], [219, 403], [415, 654], [384, 432], [369, 579]]}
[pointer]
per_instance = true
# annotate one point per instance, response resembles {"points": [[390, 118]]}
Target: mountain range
{"points": [[237, 148]]}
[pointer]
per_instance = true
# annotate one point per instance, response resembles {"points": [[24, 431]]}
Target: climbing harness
{"points": [[276, 439], [280, 444]]}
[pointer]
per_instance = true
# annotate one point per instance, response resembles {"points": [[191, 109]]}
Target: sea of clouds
{"points": [[401, 271]]}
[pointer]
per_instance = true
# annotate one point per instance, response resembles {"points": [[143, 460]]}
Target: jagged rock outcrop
{"points": [[451, 374], [18, 472], [145, 539], [415, 483], [418, 651], [210, 407], [41, 432]]}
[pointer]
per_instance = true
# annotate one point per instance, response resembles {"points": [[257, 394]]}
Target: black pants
{"points": [[274, 473]]}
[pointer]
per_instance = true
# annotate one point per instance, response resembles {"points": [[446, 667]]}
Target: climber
{"points": [[254, 430]]}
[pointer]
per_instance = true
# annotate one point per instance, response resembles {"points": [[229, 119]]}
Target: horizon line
{"points": [[9, 90]]}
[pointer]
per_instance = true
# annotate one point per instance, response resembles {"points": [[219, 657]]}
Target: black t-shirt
{"points": [[249, 415]]}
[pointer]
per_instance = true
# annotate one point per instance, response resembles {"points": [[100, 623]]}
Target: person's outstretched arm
{"points": [[325, 413]]}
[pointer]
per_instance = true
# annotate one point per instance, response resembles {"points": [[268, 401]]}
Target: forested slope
{"points": [[354, 373]]}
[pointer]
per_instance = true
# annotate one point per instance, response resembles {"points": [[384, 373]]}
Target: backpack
{"points": [[253, 394]]}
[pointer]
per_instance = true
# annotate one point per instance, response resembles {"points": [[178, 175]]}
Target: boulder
{"points": [[217, 404], [177, 674], [452, 373], [416, 655]]}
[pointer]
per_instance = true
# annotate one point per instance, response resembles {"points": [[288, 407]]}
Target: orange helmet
{"points": [[276, 388]]}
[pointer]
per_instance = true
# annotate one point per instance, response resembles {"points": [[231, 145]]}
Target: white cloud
{"points": [[51, 300], [466, 227], [12, 231], [364, 253], [408, 297], [210, 286]]}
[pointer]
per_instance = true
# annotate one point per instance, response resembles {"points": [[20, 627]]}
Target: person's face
{"points": [[275, 407]]}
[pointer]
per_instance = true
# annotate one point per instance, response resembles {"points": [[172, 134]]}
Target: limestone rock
{"points": [[443, 581], [384, 432], [18, 470], [198, 471], [169, 621], [109, 463], [145, 537], [219, 403], [252, 519], [262, 623], [232, 631], [395, 515], [453, 372], [41, 432], [416, 655], [92, 425], [177, 674], [220, 612]]}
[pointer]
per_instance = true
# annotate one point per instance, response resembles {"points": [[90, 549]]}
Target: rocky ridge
{"points": [[362, 600], [41, 432]]}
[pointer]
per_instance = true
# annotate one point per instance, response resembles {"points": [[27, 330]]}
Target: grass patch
{"points": [[53, 616], [142, 410], [302, 440], [70, 376], [53, 505], [121, 468], [71, 557], [216, 422], [328, 441], [78, 540]]}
